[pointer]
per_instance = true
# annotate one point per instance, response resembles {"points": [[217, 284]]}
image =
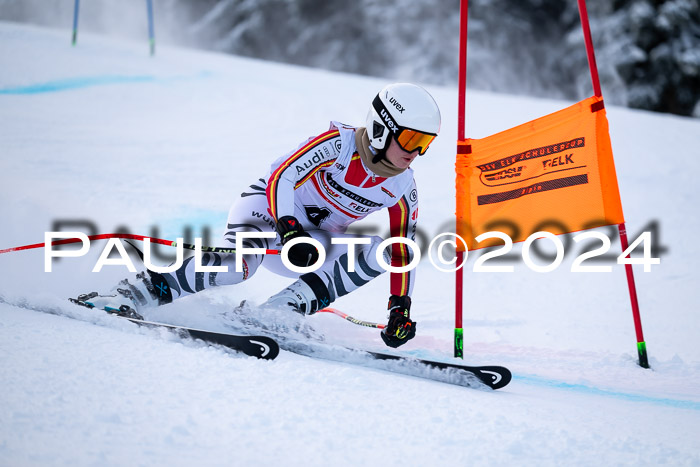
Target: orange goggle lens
{"points": [[410, 140]]}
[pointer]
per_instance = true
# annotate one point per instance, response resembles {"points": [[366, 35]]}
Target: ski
{"points": [[255, 346], [493, 377], [481, 377], [262, 347]]}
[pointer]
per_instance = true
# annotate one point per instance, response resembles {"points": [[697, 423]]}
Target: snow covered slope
{"points": [[104, 133]]}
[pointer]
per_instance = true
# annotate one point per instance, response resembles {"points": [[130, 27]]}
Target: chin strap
{"points": [[378, 155]]}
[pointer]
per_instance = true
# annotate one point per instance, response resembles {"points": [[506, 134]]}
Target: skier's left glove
{"points": [[400, 328], [301, 254]]}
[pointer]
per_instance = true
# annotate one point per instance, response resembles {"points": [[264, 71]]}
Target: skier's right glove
{"points": [[301, 254], [400, 328]]}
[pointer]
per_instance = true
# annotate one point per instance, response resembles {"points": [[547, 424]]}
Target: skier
{"points": [[317, 191]]}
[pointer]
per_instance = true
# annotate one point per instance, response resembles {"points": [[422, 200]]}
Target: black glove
{"points": [[400, 328], [301, 254]]}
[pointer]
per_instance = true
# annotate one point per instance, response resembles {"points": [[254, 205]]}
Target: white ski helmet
{"points": [[406, 112]]}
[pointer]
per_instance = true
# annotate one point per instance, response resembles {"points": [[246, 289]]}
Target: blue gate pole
{"points": [[75, 21], [151, 33]]}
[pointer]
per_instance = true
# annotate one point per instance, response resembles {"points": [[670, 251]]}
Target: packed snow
{"points": [[105, 134]]}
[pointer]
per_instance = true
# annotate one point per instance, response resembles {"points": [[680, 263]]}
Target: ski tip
{"points": [[495, 377], [269, 349]]}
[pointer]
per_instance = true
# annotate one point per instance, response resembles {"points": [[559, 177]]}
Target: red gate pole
{"points": [[583, 12], [462, 86], [641, 345]]}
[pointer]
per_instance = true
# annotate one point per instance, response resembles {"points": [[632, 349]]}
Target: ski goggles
{"points": [[410, 140]]}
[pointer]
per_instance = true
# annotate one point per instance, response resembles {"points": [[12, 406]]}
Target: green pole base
{"points": [[642, 352], [459, 343]]}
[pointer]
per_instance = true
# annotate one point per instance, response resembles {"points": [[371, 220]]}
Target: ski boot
{"points": [[306, 296], [149, 289]]}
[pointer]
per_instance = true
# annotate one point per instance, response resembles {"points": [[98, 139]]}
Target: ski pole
{"points": [[353, 320], [188, 246]]}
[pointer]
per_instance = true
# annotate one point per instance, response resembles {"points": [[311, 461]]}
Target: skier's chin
{"points": [[403, 163]]}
